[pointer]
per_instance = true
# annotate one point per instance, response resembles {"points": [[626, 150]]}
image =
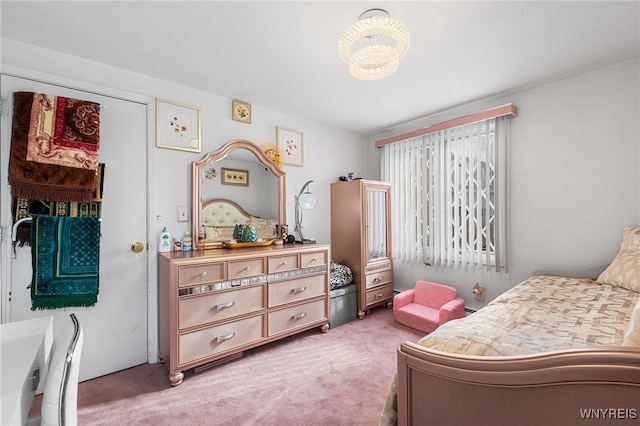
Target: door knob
{"points": [[137, 247]]}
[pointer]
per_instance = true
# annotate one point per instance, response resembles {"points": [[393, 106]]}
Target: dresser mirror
{"points": [[237, 180]]}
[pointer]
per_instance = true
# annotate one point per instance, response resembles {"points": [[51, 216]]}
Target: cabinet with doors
{"points": [[217, 303], [361, 238]]}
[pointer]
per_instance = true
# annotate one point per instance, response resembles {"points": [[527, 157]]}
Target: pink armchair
{"points": [[427, 306]]}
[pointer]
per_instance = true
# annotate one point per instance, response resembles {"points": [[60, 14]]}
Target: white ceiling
{"points": [[283, 55]]}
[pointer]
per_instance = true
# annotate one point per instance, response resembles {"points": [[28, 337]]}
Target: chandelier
{"points": [[373, 46]]}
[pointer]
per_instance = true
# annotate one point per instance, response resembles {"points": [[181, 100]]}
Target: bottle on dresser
{"points": [[187, 243], [164, 243]]}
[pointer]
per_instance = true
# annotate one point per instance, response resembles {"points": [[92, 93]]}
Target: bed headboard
{"points": [[219, 216], [221, 212]]}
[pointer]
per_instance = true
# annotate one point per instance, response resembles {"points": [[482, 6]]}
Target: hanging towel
{"points": [[65, 256], [54, 148]]}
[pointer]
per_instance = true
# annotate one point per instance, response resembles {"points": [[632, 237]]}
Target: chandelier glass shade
{"points": [[372, 46]]}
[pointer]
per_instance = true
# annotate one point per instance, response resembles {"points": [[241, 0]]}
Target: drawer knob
{"points": [[225, 305], [299, 289], [203, 274], [313, 260], [299, 315], [225, 337]]}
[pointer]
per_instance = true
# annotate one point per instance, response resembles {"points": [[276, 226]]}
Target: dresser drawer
{"points": [[380, 293], [295, 290], [296, 316], [378, 278], [220, 338], [308, 260], [246, 268], [200, 274], [283, 263], [197, 310]]}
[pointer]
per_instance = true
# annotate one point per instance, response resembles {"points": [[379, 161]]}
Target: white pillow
{"points": [[624, 270]]}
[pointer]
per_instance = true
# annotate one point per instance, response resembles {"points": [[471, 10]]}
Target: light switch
{"points": [[183, 214]]}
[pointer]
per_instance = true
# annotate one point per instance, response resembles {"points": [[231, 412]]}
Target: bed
{"points": [[551, 350], [219, 216]]}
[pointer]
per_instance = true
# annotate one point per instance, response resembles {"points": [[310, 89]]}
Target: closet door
{"points": [[115, 329]]}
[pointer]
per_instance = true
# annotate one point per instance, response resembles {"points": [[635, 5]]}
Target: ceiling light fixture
{"points": [[373, 46]]}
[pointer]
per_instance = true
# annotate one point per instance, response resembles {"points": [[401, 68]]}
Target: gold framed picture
{"points": [[241, 111], [177, 126], [235, 177]]}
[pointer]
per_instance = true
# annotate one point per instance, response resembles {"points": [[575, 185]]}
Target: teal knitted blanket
{"points": [[65, 258]]}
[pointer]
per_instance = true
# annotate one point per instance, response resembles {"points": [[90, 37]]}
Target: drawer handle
{"points": [[313, 260], [379, 294], [203, 274], [225, 305], [248, 268], [299, 316], [225, 337], [283, 264], [299, 289]]}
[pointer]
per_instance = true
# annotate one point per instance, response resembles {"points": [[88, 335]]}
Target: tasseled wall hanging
{"points": [[56, 178], [65, 254]]}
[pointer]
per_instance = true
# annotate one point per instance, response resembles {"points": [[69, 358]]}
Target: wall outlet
{"points": [[183, 214]]}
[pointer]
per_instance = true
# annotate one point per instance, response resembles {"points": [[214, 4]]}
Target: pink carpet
{"points": [[337, 378]]}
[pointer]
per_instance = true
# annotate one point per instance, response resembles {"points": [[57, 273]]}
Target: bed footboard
{"points": [[579, 386]]}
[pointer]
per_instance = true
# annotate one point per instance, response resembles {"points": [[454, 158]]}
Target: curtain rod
{"points": [[508, 109]]}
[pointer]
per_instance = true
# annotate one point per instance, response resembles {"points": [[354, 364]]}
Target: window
{"points": [[448, 190]]}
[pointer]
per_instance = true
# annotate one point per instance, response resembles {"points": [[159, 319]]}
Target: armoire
{"points": [[361, 238]]}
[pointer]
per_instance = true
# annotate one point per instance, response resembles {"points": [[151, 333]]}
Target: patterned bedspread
{"points": [[542, 313]]}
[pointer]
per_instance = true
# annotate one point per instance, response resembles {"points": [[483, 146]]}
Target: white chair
{"points": [[60, 395]]}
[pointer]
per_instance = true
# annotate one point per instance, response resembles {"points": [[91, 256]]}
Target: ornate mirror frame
{"points": [[197, 166]]}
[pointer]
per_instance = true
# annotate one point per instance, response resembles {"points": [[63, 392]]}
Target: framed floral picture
{"points": [[177, 126], [241, 111], [290, 146]]}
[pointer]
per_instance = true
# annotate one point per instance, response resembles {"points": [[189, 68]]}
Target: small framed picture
{"points": [[290, 146], [241, 111], [177, 126], [235, 177]]}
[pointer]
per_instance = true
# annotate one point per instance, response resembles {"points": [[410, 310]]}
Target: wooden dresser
{"points": [[217, 303], [361, 238]]}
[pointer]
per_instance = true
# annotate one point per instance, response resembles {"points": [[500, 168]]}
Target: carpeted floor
{"points": [[335, 378]]}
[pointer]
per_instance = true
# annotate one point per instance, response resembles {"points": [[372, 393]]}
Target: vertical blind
{"points": [[449, 190]]}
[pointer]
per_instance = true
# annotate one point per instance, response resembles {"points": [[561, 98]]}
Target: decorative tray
{"points": [[238, 244]]}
